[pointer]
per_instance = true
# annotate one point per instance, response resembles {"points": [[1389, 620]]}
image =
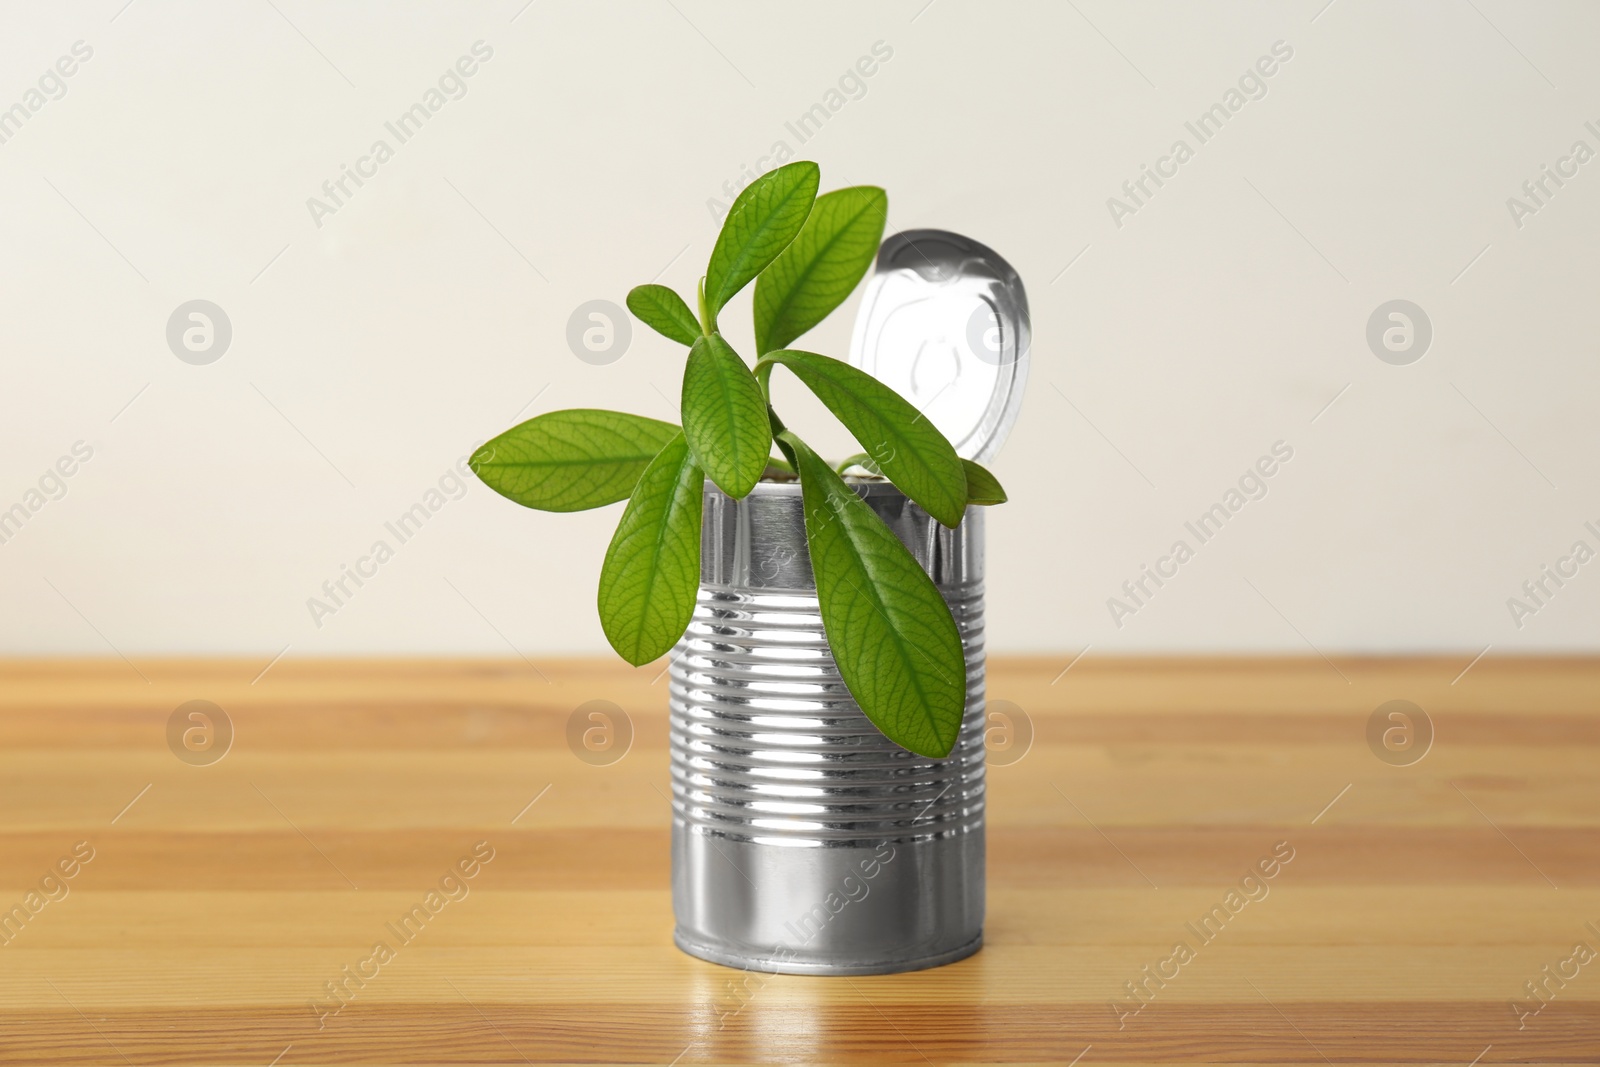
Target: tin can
{"points": [[803, 840]]}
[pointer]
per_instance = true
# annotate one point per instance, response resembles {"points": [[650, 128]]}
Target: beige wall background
{"points": [[1177, 339]]}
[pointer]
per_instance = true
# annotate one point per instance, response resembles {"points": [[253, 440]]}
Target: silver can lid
{"points": [[944, 323]]}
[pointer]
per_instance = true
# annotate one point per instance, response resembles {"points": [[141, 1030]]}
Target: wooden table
{"points": [[221, 899]]}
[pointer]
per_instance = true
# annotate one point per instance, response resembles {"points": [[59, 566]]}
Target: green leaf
{"points": [[761, 223], [652, 569], [891, 633], [725, 416], [821, 267], [664, 311], [982, 487], [571, 460], [907, 448]]}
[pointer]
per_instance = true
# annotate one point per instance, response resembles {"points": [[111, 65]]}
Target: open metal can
{"points": [[803, 840]]}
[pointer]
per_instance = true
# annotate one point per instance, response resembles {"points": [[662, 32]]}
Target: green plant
{"points": [[890, 631]]}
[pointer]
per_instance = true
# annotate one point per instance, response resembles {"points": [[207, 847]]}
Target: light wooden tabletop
{"points": [[210, 906]]}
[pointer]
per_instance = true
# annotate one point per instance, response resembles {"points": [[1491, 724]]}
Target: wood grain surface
{"points": [[1420, 906]]}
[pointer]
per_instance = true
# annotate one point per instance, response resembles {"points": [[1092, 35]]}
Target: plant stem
{"points": [[764, 378], [707, 326]]}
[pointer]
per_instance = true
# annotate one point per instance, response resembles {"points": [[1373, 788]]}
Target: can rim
{"points": [[863, 485]]}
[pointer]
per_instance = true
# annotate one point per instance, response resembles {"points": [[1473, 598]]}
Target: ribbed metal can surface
{"points": [[803, 840]]}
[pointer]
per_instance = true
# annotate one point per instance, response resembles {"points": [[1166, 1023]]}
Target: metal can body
{"points": [[803, 840]]}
